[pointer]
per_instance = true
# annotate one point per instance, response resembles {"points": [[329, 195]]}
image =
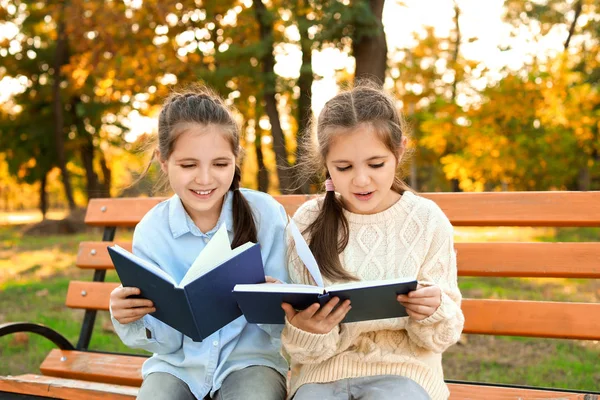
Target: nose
{"points": [[203, 176], [362, 178]]}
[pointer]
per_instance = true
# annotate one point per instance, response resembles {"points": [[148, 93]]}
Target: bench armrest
{"points": [[49, 333]]}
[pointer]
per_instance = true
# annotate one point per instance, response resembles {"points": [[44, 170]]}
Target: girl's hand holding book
{"points": [[317, 319], [126, 309], [270, 279], [423, 302]]}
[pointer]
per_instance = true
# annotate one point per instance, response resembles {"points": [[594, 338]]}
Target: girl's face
{"points": [[200, 170], [362, 169]]}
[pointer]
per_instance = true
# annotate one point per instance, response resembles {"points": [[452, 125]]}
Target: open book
{"points": [[370, 299], [201, 303]]}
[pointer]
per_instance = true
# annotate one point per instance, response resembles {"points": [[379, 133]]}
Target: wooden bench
{"points": [[74, 372]]}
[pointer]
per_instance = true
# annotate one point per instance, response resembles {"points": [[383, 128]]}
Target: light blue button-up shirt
{"points": [[168, 237]]}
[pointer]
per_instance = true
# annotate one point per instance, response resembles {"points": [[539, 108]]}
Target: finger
{"points": [[270, 279], [426, 301], [309, 312], [290, 313], [139, 312], [130, 291], [340, 312], [428, 291], [420, 309], [415, 315], [327, 308], [135, 303]]}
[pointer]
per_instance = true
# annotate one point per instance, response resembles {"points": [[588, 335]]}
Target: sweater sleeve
{"points": [[309, 348], [443, 328]]}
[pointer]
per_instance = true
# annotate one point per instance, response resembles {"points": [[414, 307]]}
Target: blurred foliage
{"points": [[535, 127]]}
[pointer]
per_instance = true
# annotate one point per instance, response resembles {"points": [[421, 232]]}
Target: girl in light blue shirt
{"points": [[198, 147]]}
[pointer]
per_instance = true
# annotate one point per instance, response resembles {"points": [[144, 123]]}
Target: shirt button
{"points": [[215, 343], [206, 239]]}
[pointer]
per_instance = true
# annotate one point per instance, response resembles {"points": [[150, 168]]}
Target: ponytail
{"points": [[330, 231], [244, 227]]}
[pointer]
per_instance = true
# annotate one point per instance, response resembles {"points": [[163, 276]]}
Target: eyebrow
{"points": [[368, 159], [196, 160]]}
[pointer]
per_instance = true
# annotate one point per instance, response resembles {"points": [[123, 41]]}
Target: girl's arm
{"points": [[441, 329], [148, 333]]}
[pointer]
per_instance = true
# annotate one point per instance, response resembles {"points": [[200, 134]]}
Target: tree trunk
{"points": [[577, 8], [305, 82], [106, 177], [43, 195], [265, 22], [262, 174], [370, 52], [455, 183], [60, 59]]}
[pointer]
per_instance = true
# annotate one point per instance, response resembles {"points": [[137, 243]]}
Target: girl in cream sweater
{"points": [[374, 228]]}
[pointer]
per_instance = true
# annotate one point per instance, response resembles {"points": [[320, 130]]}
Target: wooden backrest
{"points": [[483, 316]]}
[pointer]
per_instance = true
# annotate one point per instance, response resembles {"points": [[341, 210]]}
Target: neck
{"points": [[206, 220]]}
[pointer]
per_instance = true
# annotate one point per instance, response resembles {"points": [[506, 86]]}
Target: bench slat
{"points": [[60, 388], [97, 367], [474, 259], [491, 317], [463, 209], [94, 255], [474, 392], [89, 295], [76, 389], [550, 260], [532, 318]]}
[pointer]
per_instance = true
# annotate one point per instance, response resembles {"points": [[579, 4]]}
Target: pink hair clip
{"points": [[329, 185]]}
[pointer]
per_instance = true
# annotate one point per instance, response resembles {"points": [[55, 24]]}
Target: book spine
{"points": [[192, 313], [323, 298]]}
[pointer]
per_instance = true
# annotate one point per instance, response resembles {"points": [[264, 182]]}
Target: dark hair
{"points": [[198, 104], [363, 104]]}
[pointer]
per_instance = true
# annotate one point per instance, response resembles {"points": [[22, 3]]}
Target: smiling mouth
{"points": [[203, 192]]}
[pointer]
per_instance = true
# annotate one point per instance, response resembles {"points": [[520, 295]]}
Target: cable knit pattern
{"points": [[411, 238]]}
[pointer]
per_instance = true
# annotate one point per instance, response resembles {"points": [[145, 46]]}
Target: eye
{"points": [[342, 169], [221, 165], [376, 165], [187, 165]]}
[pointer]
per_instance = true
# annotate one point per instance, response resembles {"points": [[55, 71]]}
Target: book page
{"points": [[144, 263], [278, 288], [305, 254], [366, 284], [215, 253]]}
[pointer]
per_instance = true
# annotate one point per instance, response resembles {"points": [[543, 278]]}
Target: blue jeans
{"points": [[251, 383], [382, 387]]}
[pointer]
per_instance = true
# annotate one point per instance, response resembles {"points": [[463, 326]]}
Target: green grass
{"points": [[34, 290], [35, 273]]}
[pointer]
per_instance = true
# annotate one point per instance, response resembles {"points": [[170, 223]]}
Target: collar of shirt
{"points": [[181, 223]]}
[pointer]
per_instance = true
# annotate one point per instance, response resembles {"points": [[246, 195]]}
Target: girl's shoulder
{"points": [[308, 211], [427, 209], [157, 215]]}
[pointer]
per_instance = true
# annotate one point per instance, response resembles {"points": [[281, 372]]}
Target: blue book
{"points": [[371, 300], [202, 302]]}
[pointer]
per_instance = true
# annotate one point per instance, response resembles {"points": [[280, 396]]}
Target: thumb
{"points": [[290, 313]]}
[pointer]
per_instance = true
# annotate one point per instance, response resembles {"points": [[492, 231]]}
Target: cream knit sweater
{"points": [[413, 238]]}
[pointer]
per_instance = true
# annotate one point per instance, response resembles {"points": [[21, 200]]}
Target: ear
{"points": [[163, 163]]}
